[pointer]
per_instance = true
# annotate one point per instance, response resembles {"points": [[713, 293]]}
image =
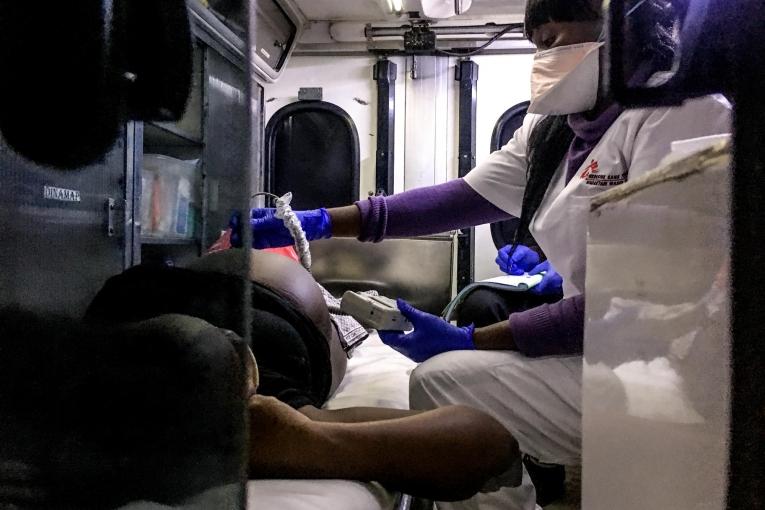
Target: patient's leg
{"points": [[445, 454]]}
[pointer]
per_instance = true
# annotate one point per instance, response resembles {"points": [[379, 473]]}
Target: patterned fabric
{"points": [[352, 334]]}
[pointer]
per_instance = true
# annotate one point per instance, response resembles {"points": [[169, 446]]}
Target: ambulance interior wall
{"points": [[426, 141], [503, 82]]}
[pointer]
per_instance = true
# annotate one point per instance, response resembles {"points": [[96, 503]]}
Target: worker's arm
{"points": [[432, 336], [441, 208], [491, 192], [446, 454], [497, 337], [547, 330], [444, 207], [346, 221]]}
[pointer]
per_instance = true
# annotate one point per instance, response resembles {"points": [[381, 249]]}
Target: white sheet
{"points": [[377, 376]]}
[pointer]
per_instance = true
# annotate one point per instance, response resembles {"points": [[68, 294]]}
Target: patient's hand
{"points": [[269, 412], [281, 439]]}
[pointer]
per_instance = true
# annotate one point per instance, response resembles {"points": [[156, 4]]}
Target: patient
{"points": [[446, 454]]}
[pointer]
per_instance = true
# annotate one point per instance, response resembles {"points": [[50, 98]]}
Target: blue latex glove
{"points": [[268, 231], [432, 335], [551, 283], [521, 261]]}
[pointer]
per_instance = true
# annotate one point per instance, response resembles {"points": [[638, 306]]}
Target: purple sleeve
{"points": [[550, 330], [449, 206]]}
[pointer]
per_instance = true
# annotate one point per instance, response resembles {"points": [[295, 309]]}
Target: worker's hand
{"points": [[551, 283], [432, 335], [517, 262], [268, 231]]}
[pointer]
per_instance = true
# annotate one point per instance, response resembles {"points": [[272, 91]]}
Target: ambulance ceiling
{"points": [[373, 10]]}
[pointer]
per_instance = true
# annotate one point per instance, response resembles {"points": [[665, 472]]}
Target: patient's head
{"points": [[270, 301]]}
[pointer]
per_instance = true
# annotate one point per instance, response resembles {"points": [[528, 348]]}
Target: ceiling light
{"points": [[396, 6], [443, 9]]}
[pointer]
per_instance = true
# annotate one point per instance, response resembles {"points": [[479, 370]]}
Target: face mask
{"points": [[565, 80]]}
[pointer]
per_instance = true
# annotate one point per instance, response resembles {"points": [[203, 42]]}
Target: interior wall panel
{"points": [[346, 82], [55, 250], [503, 82]]}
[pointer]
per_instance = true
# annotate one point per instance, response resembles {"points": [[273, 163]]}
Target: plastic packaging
{"points": [[683, 148], [183, 215], [656, 378], [169, 204], [148, 218]]}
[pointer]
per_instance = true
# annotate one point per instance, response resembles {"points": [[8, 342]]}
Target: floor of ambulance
{"points": [[572, 499]]}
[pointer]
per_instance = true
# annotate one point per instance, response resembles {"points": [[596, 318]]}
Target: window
{"points": [[312, 150]]}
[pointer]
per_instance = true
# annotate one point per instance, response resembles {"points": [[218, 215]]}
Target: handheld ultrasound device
{"points": [[375, 312]]}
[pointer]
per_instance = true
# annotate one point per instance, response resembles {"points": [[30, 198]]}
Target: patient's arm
{"points": [[444, 454], [355, 414]]}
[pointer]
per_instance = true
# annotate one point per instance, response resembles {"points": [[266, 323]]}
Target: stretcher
{"points": [[377, 376]]}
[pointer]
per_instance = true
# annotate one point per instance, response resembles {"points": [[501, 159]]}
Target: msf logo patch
{"points": [[594, 177]]}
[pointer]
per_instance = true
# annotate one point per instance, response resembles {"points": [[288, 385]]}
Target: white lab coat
{"points": [[633, 145], [539, 400]]}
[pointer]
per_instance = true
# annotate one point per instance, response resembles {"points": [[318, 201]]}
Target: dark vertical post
{"points": [[385, 76], [746, 487], [467, 75], [133, 198], [747, 442]]}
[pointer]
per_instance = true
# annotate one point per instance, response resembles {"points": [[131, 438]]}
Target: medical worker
{"points": [[575, 143]]}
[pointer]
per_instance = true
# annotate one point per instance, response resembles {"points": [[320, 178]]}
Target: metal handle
{"points": [[403, 502], [110, 207]]}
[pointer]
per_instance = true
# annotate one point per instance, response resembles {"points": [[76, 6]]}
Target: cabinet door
{"points": [[227, 140], [56, 249]]}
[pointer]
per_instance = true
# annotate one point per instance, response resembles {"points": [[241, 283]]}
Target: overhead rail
{"points": [[420, 37], [488, 30]]}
